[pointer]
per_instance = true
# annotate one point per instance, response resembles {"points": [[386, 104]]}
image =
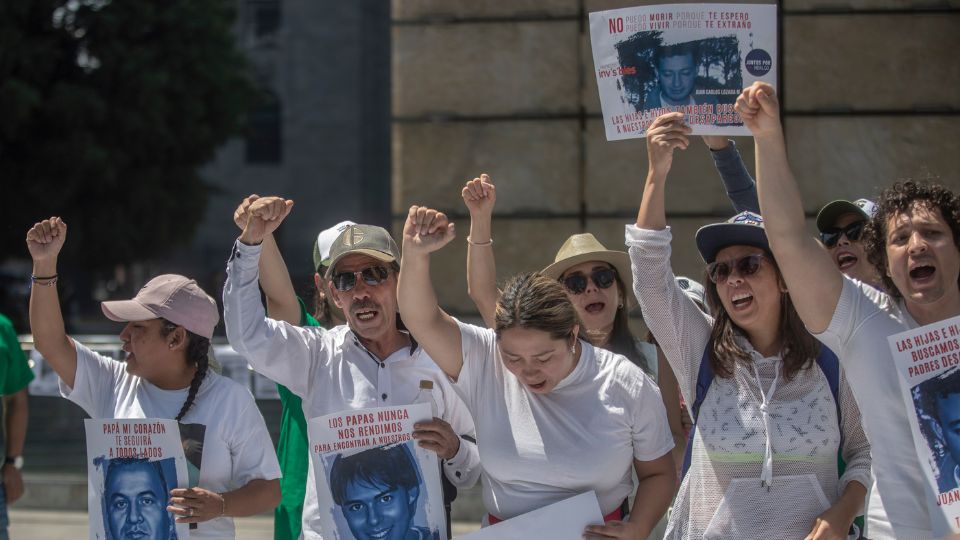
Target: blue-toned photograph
{"points": [[379, 494], [655, 75], [937, 403], [136, 493]]}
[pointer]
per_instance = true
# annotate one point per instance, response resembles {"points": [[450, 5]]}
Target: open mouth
{"points": [[741, 300], [922, 273], [594, 308], [381, 533], [846, 260], [538, 386], [366, 314]]}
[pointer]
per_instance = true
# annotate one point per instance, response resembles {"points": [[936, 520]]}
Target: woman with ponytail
{"points": [[166, 375]]}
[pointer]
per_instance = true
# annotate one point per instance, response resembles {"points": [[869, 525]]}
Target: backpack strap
{"points": [[830, 366], [705, 377]]}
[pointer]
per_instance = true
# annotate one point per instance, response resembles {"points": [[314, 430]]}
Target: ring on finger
{"points": [[189, 512]]}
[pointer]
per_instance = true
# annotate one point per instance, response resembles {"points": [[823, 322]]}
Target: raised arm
{"points": [[805, 265], [424, 232], [740, 187], [44, 241], [282, 304], [480, 195], [666, 134]]}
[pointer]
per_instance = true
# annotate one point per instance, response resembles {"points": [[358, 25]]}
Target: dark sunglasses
{"points": [[831, 236], [745, 266], [577, 283], [371, 275]]}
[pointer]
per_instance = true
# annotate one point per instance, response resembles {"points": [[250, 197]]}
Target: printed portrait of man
{"points": [[135, 499], [938, 408], [377, 491], [675, 67]]}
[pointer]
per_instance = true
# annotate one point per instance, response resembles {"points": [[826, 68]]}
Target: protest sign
{"points": [[564, 520], [132, 464], [692, 58], [928, 361], [373, 480]]}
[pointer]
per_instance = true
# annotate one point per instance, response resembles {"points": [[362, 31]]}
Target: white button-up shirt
{"points": [[331, 371]]}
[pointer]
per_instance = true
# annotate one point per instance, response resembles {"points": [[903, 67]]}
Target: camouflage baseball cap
{"points": [[368, 240]]}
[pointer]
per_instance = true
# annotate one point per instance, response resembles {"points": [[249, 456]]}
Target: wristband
{"points": [[487, 243]]}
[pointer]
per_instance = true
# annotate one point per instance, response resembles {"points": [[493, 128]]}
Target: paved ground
{"points": [[72, 525]]}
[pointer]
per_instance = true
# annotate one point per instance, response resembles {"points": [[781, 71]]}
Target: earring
{"points": [[573, 349]]}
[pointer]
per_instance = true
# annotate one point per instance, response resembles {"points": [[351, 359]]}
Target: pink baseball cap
{"points": [[170, 296]]}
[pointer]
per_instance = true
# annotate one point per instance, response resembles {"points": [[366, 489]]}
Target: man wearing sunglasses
{"points": [[369, 362], [841, 225]]}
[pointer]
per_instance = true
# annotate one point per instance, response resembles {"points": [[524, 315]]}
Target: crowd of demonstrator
{"points": [[778, 412]]}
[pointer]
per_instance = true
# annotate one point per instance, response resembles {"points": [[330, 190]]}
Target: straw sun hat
{"points": [[581, 248]]}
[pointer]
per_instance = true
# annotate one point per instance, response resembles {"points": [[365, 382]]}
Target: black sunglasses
{"points": [[831, 236], [745, 266], [577, 283], [371, 275]]}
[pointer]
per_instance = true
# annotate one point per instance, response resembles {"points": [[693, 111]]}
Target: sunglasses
{"points": [[744, 266], [831, 236], [371, 275], [577, 283]]}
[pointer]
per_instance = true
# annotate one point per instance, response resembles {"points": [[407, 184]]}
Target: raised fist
{"points": [[45, 239]]}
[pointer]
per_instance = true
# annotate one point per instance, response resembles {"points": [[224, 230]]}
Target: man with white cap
{"points": [[369, 362], [167, 338]]}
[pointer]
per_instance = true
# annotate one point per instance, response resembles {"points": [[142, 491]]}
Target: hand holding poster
{"points": [[564, 520], [132, 464], [373, 480], [692, 58], [928, 360]]}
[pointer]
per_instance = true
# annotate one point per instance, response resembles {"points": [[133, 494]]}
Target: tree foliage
{"points": [[107, 110]]}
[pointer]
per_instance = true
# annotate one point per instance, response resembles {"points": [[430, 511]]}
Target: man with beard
{"points": [[369, 362]]}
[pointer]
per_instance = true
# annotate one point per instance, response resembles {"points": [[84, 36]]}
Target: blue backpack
{"points": [[829, 365]]}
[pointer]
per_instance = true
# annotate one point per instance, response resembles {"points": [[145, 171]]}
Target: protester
{"points": [[841, 224], [544, 401], [283, 304], [589, 272], [167, 338], [369, 362], [769, 426], [15, 375], [913, 241]]}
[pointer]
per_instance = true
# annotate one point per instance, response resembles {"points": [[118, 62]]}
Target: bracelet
{"points": [[487, 243], [223, 504], [46, 281]]}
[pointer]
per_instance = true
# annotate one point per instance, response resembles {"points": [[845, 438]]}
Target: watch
{"points": [[16, 461]]}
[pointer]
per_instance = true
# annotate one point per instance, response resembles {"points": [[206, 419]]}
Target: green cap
{"points": [[368, 240]]}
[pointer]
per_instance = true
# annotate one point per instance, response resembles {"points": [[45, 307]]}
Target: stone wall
{"points": [[869, 90]]}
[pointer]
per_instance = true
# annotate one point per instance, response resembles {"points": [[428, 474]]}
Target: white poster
{"points": [[132, 464], [373, 480], [564, 520], [928, 360], [692, 58]]}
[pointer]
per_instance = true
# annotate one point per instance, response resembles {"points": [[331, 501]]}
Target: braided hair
{"points": [[197, 355]]}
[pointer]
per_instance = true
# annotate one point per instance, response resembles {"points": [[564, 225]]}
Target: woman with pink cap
{"points": [[166, 375]]}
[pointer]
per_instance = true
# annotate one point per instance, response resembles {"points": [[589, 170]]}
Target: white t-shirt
{"points": [[536, 450], [863, 319], [332, 371], [236, 444]]}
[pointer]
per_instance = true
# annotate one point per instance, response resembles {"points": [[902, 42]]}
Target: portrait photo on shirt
{"points": [[135, 495], [379, 494], [658, 74], [937, 404]]}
